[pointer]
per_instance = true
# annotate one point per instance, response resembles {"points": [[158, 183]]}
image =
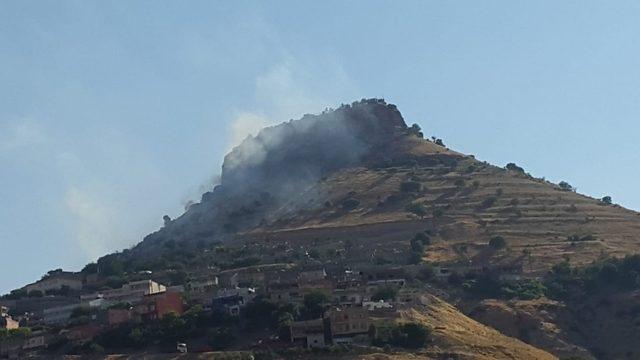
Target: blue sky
{"points": [[113, 114]]}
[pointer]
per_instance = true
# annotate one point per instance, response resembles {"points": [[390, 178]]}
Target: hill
{"points": [[338, 173], [357, 193]]}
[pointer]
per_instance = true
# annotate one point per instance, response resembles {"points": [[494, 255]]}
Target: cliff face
{"points": [[294, 154], [282, 164]]}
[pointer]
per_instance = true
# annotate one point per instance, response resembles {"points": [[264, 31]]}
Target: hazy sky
{"points": [[115, 113]]}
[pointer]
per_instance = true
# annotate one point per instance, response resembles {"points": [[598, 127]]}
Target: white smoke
{"points": [[93, 223]]}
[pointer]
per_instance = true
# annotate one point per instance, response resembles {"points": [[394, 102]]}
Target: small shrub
{"points": [[350, 204], [417, 209], [385, 293], [488, 202], [497, 242], [514, 167], [410, 186], [415, 130], [565, 186]]}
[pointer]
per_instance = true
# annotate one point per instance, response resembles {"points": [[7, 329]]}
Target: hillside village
{"points": [[408, 247], [337, 307]]}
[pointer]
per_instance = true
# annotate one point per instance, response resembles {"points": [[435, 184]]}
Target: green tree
{"points": [[314, 303], [417, 209], [385, 293], [514, 167], [566, 186], [607, 200], [411, 336], [415, 130], [497, 242], [410, 186]]}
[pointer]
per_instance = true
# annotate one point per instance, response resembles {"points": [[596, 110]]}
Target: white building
{"points": [[133, 292]]}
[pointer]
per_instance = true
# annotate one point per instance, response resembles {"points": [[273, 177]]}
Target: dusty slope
{"points": [[464, 338]]}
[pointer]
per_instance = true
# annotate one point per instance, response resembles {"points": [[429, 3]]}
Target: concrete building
{"points": [[37, 339], [58, 314], [348, 322], [156, 306], [203, 285], [133, 292], [312, 275], [7, 322], [117, 317], [308, 333], [232, 300], [376, 305]]}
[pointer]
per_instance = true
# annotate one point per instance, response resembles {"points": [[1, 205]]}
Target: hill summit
{"points": [[361, 165]]}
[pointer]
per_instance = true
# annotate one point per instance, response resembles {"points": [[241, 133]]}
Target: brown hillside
{"points": [[308, 192]]}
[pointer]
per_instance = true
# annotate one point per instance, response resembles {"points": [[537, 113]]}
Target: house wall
{"points": [[349, 321], [167, 303]]}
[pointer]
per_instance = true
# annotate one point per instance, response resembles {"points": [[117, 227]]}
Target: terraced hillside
{"points": [[465, 202]]}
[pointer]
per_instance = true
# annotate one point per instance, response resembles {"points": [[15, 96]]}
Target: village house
{"points": [[56, 281], [38, 339], [325, 286], [407, 296], [348, 297], [133, 292], [441, 272], [6, 322], [377, 305], [284, 292], [156, 306], [82, 334], [345, 323], [312, 275], [232, 300], [309, 333], [59, 314], [228, 279], [118, 316], [203, 285], [62, 314], [152, 307]]}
